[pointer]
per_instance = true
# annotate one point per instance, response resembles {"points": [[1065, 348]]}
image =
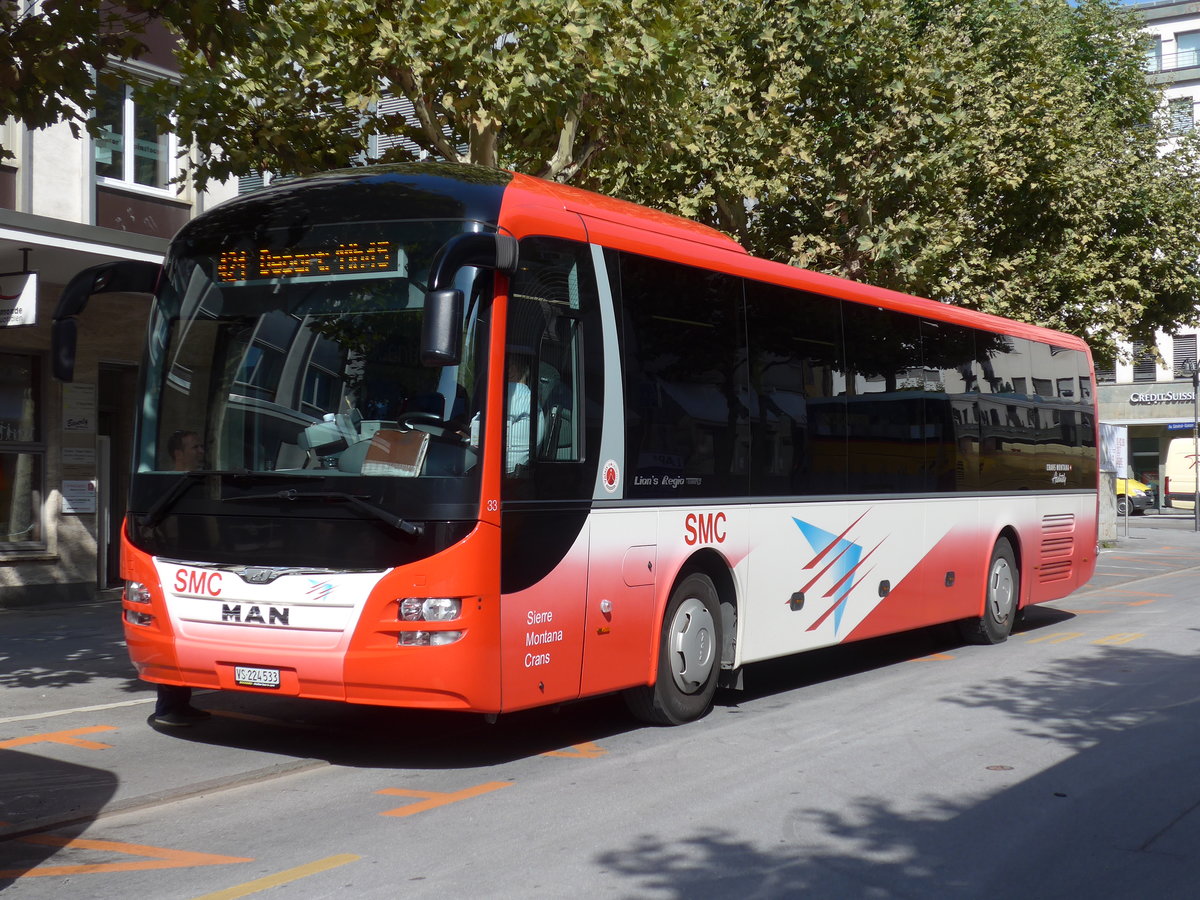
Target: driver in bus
{"points": [[186, 451], [174, 705], [518, 412]]}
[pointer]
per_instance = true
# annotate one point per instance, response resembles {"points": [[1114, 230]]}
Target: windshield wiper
{"points": [[184, 482], [412, 529], [155, 513]]}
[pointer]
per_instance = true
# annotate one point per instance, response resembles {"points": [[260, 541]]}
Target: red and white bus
{"points": [[476, 441]]}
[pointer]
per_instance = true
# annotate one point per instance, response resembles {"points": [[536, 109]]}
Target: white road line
{"points": [[83, 709], [79, 709]]}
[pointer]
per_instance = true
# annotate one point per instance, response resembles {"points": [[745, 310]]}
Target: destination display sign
{"points": [[342, 260]]}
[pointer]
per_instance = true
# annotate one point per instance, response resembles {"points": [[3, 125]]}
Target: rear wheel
{"points": [[689, 652], [1122, 506], [1000, 600]]}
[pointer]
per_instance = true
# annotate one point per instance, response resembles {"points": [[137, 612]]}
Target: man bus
{"points": [[721, 459]]}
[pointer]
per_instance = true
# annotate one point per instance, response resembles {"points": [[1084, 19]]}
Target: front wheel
{"points": [[689, 657], [1000, 599]]}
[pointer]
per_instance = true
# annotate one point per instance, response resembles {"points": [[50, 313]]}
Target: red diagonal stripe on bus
{"points": [[816, 559], [840, 600], [833, 590], [821, 574]]}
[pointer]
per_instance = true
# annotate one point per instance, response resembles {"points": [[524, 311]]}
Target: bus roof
{"points": [[507, 199], [638, 229]]}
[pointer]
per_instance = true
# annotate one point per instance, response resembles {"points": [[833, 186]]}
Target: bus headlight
{"points": [[430, 609], [136, 592]]}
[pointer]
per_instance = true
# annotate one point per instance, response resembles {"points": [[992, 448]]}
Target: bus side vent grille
{"points": [[1058, 545], [1059, 524], [1058, 570]]}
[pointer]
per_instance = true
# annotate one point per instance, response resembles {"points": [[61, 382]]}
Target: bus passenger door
{"points": [[620, 626]]}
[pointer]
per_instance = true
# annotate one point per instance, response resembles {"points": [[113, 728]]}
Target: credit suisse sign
{"points": [[1138, 399]]}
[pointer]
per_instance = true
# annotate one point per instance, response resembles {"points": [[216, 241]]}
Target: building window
{"points": [[1184, 355], [1187, 46], [1154, 60], [1181, 111], [22, 453], [1144, 365], [129, 148], [1106, 373]]}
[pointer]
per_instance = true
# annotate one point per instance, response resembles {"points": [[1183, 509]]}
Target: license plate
{"points": [[248, 676]]}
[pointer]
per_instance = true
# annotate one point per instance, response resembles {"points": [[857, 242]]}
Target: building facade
{"points": [[1152, 396], [67, 203]]}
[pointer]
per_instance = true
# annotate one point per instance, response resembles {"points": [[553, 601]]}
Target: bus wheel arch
{"points": [[696, 638], [1002, 592]]}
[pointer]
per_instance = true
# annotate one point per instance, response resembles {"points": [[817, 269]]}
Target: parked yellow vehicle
{"points": [[1133, 496]]}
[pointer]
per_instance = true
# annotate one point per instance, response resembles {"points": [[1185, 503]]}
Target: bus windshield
{"points": [[302, 357]]}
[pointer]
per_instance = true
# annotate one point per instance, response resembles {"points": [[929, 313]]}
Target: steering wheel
{"points": [[430, 423]]}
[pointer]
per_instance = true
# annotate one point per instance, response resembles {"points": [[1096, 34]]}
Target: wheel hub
{"points": [[692, 647]]}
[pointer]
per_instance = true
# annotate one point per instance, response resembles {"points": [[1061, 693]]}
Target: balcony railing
{"points": [[1170, 62]]}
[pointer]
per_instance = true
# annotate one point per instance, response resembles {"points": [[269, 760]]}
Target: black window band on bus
{"points": [[741, 388]]}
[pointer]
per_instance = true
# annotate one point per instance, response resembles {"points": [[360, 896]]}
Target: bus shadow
{"points": [[789, 673], [386, 738]]}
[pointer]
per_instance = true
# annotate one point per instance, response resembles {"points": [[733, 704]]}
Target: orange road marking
{"points": [[586, 750], [270, 881], [160, 858], [933, 657], [434, 799], [1121, 638], [62, 737], [1061, 638]]}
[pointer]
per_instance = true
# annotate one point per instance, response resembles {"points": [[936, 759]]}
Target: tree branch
{"points": [[431, 136]]}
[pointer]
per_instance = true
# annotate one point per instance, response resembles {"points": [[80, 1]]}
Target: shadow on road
{"points": [[36, 786], [60, 648], [1120, 818], [384, 738]]}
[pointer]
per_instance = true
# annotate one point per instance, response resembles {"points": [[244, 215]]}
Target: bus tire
{"points": [[689, 657], [1001, 596]]}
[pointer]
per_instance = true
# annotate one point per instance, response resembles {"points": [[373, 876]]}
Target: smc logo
{"points": [[704, 528], [189, 581]]}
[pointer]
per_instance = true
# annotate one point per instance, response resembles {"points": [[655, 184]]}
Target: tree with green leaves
{"points": [[1006, 155], [542, 86], [50, 50]]}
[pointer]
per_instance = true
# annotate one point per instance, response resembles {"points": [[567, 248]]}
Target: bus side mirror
{"points": [[441, 330]]}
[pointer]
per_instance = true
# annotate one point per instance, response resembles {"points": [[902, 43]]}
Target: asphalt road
{"points": [[1061, 764]]}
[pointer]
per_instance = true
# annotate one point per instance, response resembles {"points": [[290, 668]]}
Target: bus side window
{"points": [[550, 297]]}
